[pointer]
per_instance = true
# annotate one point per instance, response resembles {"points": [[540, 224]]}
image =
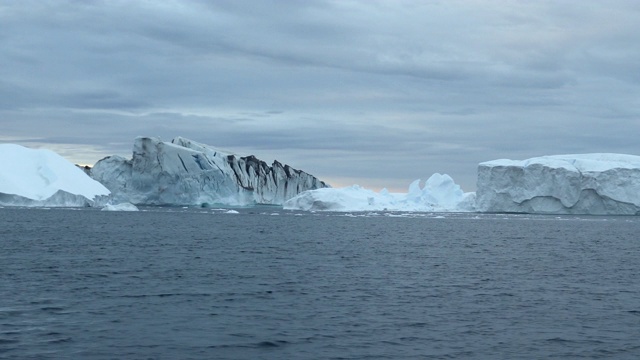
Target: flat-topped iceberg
{"points": [[39, 177], [439, 193], [598, 184], [184, 172]]}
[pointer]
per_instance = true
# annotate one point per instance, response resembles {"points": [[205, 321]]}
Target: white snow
{"points": [[598, 184], [439, 193], [40, 177], [120, 207]]}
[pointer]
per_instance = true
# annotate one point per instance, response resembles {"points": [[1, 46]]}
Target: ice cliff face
{"points": [[183, 172], [597, 184]]}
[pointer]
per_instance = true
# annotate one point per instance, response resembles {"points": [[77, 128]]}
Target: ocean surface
{"points": [[263, 283]]}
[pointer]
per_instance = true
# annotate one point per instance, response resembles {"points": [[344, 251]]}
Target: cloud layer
{"points": [[373, 92]]}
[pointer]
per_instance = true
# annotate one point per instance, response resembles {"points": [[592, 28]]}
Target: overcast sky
{"points": [[377, 93]]}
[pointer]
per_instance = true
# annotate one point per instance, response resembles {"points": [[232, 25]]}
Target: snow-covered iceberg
{"points": [[440, 193], [184, 172], [40, 177], [597, 184]]}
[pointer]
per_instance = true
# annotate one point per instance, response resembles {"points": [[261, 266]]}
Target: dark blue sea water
{"points": [[172, 283]]}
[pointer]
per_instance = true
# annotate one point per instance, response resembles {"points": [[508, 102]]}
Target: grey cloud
{"points": [[372, 90]]}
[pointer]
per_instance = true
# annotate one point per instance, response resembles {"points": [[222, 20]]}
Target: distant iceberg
{"points": [[596, 184], [439, 193], [184, 172], [39, 177]]}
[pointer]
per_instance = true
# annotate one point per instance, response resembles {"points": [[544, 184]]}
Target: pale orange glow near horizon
{"points": [[371, 184]]}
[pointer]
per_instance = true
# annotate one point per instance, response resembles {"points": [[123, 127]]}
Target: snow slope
{"points": [[598, 184], [39, 177], [440, 193], [184, 172]]}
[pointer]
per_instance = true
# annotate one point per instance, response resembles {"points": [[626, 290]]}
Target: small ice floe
{"points": [[120, 207]]}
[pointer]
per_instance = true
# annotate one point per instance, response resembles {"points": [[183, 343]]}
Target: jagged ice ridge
{"points": [[184, 172]]}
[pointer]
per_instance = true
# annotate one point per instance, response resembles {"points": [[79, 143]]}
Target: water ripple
{"points": [[193, 285]]}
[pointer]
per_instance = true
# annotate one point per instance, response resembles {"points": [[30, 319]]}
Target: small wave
{"points": [[59, 341], [9, 312], [277, 343], [161, 295], [94, 275], [261, 344], [418, 324], [410, 338], [559, 339], [42, 301], [51, 308], [8, 341], [389, 342]]}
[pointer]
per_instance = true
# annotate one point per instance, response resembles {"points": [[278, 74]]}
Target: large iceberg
{"points": [[439, 193], [597, 184], [184, 172], [39, 177]]}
